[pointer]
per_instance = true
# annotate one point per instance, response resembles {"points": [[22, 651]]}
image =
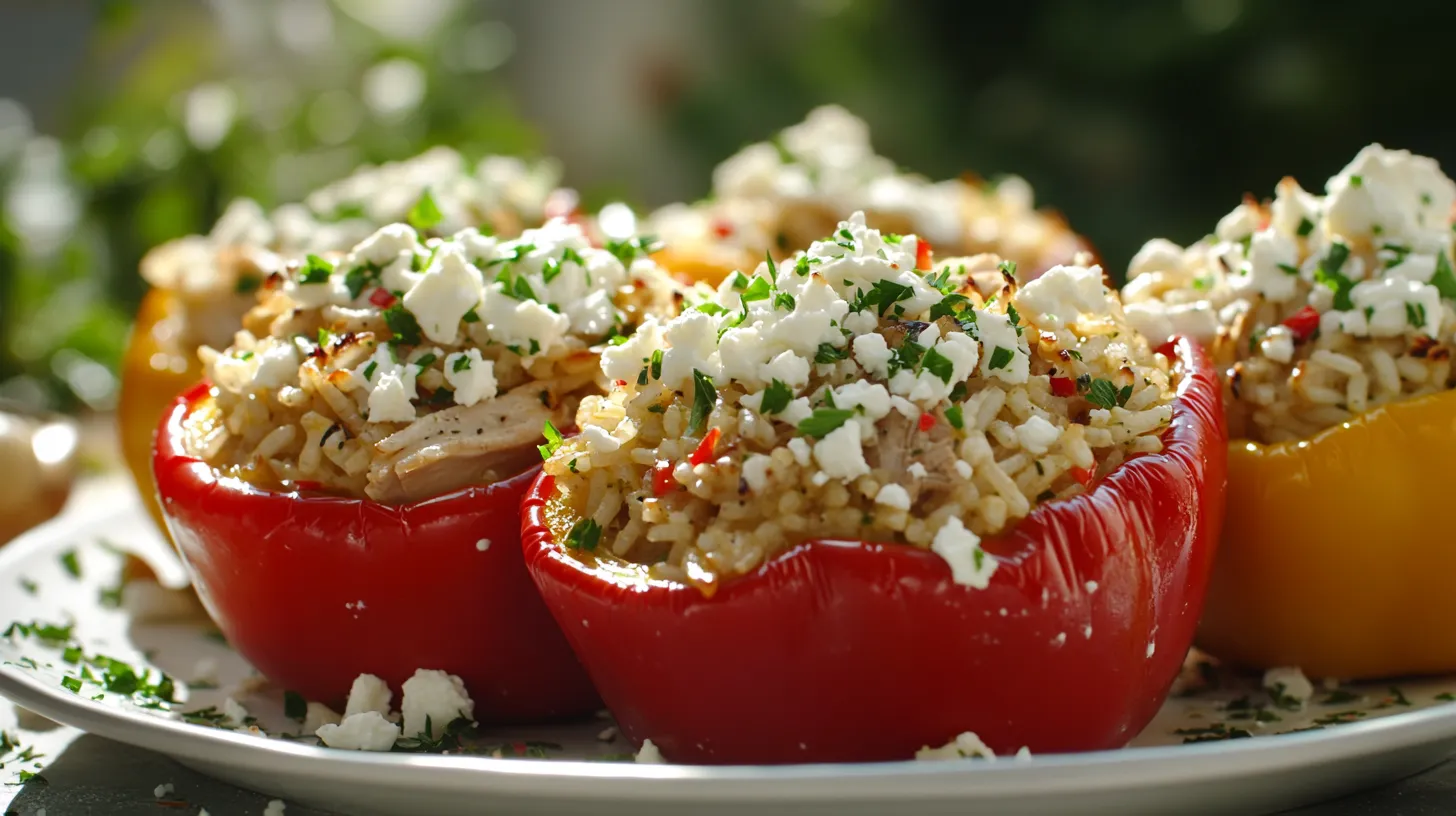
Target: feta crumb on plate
{"points": [[368, 731]]}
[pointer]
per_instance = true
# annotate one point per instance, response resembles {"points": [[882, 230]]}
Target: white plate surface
{"points": [[1392, 732]]}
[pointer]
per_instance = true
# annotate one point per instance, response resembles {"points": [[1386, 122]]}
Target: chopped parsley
{"points": [[426, 360], [1007, 268], [1444, 280], [72, 684], [1289, 269], [462, 363], [294, 706], [471, 316], [1103, 393], [247, 284], [824, 421], [884, 293], [784, 301], [949, 306], [315, 270], [553, 440], [370, 369], [758, 290], [1000, 357], [775, 398], [1415, 314], [1306, 226], [708, 307], [550, 270], [1015, 319], [72, 563], [705, 396], [402, 324], [1357, 181], [937, 364], [425, 214], [801, 266], [828, 354], [738, 281], [358, 278], [584, 535], [628, 250], [656, 364], [1328, 274], [956, 417]]}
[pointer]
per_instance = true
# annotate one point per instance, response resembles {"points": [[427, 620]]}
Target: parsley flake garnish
{"points": [[1444, 280], [1000, 357], [937, 364], [1289, 269], [1306, 226], [1103, 393], [705, 396], [425, 214], [471, 316], [1328, 274], [775, 398], [584, 535], [554, 439], [358, 278], [426, 360], [828, 354], [628, 250], [1415, 314], [72, 684], [760, 289], [294, 706], [956, 417], [402, 324], [72, 562], [824, 421], [370, 369], [315, 270], [708, 307]]}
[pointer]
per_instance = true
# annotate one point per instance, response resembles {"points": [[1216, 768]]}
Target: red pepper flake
{"points": [[619, 383], [381, 297], [1064, 386], [519, 747], [722, 228], [1083, 475], [927, 421], [705, 449], [1302, 324], [662, 481], [922, 254]]}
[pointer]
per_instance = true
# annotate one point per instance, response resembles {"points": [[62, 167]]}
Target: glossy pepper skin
{"points": [[154, 370], [314, 590], [853, 651], [1337, 553]]}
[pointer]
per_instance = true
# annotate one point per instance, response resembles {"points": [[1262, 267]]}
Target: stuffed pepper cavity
{"points": [[1331, 319], [781, 195], [858, 469], [359, 452], [202, 285]]}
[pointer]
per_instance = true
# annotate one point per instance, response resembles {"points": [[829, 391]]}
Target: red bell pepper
{"points": [[315, 590], [855, 651], [1303, 323]]}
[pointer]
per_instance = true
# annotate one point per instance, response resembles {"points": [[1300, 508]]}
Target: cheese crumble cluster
{"points": [[854, 392], [783, 194], [431, 701], [214, 276], [405, 369], [1320, 307]]}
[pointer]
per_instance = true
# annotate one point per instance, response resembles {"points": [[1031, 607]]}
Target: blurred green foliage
{"points": [[184, 107]]}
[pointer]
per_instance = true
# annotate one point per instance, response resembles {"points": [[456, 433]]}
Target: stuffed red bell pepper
{"points": [[346, 487], [848, 509]]}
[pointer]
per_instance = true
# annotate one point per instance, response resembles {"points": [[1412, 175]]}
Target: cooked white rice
{"points": [[1317, 307], [783, 194], [846, 394], [408, 369]]}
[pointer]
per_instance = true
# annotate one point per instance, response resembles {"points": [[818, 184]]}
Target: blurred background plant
{"points": [[124, 124]]}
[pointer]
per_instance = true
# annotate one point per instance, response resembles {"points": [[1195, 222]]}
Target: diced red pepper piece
{"points": [[619, 383], [923, 251], [1083, 475], [927, 421], [662, 481], [704, 452], [381, 297], [722, 228], [1303, 323], [1064, 386]]}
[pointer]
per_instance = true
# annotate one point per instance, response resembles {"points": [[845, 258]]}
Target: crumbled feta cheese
{"points": [[277, 365], [840, 454], [1278, 344], [518, 322], [649, 755], [368, 693], [1289, 682], [1061, 294], [1395, 193], [437, 696], [788, 368], [449, 288], [1271, 268], [692, 341], [235, 712], [1292, 206], [755, 472], [472, 377], [1157, 255], [917, 470], [1159, 321], [965, 746], [872, 398], [801, 451], [1037, 435], [1006, 356], [392, 395], [626, 361], [275, 808], [317, 716], [1238, 224], [1023, 754], [961, 549], [893, 496], [599, 440], [162, 790], [368, 731], [1391, 307], [873, 354]]}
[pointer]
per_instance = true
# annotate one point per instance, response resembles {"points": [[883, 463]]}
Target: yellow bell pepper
{"points": [[1337, 553], [156, 368]]}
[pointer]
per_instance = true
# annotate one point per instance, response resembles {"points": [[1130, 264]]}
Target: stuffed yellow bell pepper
{"points": [[779, 196], [1332, 317]]}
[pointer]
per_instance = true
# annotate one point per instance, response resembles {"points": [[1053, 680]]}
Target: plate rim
{"points": [[1147, 767]]}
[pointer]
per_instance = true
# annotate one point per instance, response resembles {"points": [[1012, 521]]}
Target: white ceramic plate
{"points": [[1390, 733]]}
